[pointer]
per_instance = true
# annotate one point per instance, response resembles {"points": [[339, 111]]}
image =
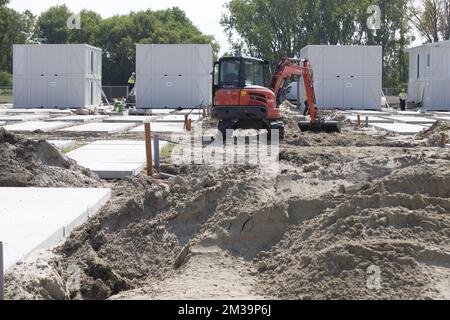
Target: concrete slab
{"points": [[178, 118], [400, 128], [33, 219], [6, 106], [412, 113], [151, 111], [77, 118], [187, 111], [130, 119], [372, 119], [442, 118], [37, 125], [100, 127], [162, 111], [62, 144], [370, 112], [23, 117], [37, 111], [162, 127], [412, 120], [113, 159]]}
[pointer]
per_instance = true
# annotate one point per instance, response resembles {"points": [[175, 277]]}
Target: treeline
{"points": [[117, 35], [272, 29], [267, 29]]}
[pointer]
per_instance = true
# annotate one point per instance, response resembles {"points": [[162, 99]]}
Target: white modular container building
{"points": [[429, 76], [57, 76], [346, 77], [173, 75]]}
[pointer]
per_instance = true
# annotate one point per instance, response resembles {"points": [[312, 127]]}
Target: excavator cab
{"points": [[240, 72], [241, 98]]}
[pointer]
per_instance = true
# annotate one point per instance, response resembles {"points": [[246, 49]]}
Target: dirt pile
{"points": [[349, 138], [27, 163], [432, 135], [335, 214], [398, 226], [145, 237]]}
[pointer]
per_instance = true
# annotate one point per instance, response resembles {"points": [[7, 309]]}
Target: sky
{"points": [[205, 14]]}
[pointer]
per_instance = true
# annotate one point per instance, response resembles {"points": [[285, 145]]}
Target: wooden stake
{"points": [[186, 122], [359, 120], [204, 112], [443, 139], [148, 149]]}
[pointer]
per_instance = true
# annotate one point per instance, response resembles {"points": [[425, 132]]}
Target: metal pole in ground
{"points": [[367, 121], [156, 146], [2, 276], [148, 149]]}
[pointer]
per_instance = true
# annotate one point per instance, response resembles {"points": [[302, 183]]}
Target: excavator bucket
{"points": [[326, 126]]}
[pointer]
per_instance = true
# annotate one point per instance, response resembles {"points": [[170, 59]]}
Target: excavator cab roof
{"points": [[242, 58]]}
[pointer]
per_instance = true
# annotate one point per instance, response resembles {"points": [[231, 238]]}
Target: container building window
{"points": [[418, 66]]}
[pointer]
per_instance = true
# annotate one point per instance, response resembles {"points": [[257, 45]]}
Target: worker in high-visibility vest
{"points": [[132, 81], [403, 99]]}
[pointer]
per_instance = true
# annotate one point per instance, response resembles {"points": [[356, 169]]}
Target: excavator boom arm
{"points": [[290, 67]]}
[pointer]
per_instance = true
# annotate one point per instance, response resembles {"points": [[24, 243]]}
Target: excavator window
{"points": [[254, 73], [229, 73], [239, 72]]}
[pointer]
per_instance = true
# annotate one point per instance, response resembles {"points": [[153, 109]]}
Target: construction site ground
{"points": [[362, 214]]}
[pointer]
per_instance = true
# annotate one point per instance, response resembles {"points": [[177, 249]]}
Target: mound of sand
{"points": [[28, 163], [332, 215], [399, 226], [301, 248], [432, 135], [148, 229]]}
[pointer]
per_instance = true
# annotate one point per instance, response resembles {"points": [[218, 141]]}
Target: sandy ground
{"points": [[357, 215]]}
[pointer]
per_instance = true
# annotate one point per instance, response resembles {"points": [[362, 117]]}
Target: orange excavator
{"points": [[242, 100]]}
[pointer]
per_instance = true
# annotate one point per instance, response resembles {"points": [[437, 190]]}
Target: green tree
{"points": [[89, 29], [119, 34], [14, 29], [52, 25], [272, 29], [431, 18], [265, 29], [394, 36], [6, 79]]}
